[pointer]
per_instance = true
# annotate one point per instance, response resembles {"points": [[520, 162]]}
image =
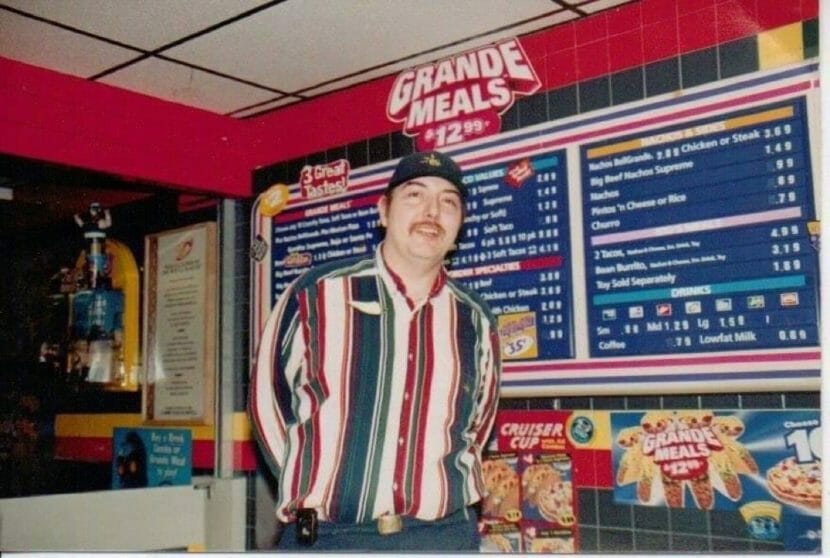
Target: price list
{"points": [[328, 231], [515, 253], [513, 250], [703, 236]]}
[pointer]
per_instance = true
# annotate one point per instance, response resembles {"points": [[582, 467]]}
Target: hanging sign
{"points": [[462, 97]]}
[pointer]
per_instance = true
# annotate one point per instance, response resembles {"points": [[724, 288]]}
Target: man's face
{"points": [[422, 219]]}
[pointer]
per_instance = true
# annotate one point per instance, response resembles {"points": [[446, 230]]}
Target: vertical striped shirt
{"points": [[367, 403]]}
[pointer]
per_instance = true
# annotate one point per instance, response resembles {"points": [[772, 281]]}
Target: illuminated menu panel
{"points": [[514, 248], [515, 252], [329, 231], [702, 236]]}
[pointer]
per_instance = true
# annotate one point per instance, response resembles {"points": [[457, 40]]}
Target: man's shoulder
{"points": [[335, 269], [469, 296]]}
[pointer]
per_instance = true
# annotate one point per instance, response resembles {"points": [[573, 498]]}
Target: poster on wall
{"points": [[147, 457], [669, 246], [766, 464], [180, 325], [536, 461]]}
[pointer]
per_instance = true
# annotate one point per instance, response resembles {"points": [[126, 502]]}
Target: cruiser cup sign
{"points": [[462, 97]]}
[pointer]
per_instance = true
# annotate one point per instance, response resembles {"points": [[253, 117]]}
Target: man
{"points": [[376, 384]]}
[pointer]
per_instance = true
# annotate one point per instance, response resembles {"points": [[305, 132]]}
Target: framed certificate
{"points": [[180, 268]]}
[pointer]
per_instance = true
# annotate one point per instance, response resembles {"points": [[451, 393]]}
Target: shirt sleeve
{"points": [[278, 357], [488, 396]]}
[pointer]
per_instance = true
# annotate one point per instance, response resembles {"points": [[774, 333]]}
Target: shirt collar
{"points": [[392, 278]]}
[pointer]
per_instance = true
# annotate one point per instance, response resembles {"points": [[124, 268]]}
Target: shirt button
{"points": [[411, 357], [400, 441], [394, 486], [406, 396]]}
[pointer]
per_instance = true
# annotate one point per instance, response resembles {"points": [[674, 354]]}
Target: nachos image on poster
{"points": [[684, 449], [717, 460], [675, 449]]}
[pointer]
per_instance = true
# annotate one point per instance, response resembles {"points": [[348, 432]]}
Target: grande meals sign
{"points": [[462, 97]]}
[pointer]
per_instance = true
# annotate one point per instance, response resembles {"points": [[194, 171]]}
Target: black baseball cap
{"points": [[427, 163]]}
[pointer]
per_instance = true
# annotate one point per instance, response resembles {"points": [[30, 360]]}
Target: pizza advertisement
{"points": [[764, 463], [529, 505], [535, 463]]}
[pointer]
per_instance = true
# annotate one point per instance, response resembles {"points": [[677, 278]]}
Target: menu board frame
{"points": [[771, 369], [180, 281]]}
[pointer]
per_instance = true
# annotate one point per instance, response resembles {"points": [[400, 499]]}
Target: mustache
{"points": [[431, 224]]}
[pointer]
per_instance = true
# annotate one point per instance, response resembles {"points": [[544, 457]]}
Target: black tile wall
{"points": [[662, 77], [510, 119], [680, 402], [575, 403], [646, 402], [588, 539], [762, 401], [651, 518], [802, 400], [335, 154], [627, 86], [691, 520], [594, 94], [541, 403], [689, 543], [379, 149], [612, 514], [720, 401], [401, 145], [533, 109], [810, 37], [587, 506], [609, 403], [562, 102], [316, 158], [513, 403], [738, 57], [699, 67], [358, 154], [648, 541], [615, 540]]}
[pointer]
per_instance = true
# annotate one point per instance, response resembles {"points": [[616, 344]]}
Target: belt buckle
{"points": [[390, 524]]}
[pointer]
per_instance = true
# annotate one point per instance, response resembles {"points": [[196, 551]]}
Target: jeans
{"points": [[455, 533]]}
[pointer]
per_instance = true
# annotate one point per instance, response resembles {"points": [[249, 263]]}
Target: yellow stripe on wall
{"points": [[781, 46], [102, 425]]}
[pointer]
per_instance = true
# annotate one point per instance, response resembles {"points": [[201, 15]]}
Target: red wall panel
{"points": [[67, 120]]}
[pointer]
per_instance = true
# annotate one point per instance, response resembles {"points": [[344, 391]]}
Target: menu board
{"points": [[697, 236], [513, 248], [668, 245], [516, 253]]}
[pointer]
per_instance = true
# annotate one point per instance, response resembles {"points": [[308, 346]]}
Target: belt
{"points": [[307, 525]]}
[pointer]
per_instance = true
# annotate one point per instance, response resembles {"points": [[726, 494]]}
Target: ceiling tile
{"points": [[47, 46], [296, 45], [145, 24], [556, 18], [187, 86]]}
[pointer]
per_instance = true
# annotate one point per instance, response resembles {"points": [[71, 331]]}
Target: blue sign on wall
{"points": [[146, 457], [699, 236], [514, 248]]}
